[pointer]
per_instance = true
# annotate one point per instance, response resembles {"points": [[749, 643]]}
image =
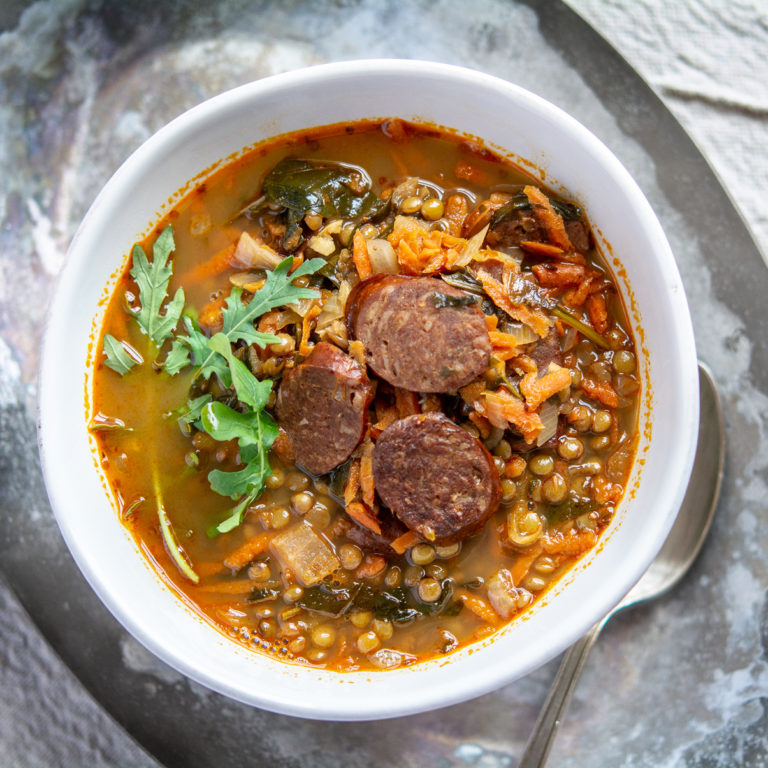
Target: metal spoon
{"points": [[676, 556]]}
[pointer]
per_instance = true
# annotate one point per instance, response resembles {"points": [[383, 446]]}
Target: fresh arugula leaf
{"points": [[118, 358], [249, 389], [153, 280], [192, 410], [233, 520], [255, 432], [193, 349], [278, 290], [236, 325], [172, 546]]}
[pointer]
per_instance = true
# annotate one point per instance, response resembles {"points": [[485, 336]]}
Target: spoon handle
{"points": [[537, 749]]}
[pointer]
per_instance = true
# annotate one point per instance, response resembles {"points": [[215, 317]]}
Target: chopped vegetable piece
{"points": [[537, 390], [306, 553], [360, 256], [601, 391], [549, 218], [247, 552]]}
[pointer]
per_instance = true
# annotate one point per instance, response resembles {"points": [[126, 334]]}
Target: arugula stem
{"points": [[172, 546]]}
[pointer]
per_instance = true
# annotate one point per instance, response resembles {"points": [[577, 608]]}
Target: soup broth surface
{"points": [[299, 571]]}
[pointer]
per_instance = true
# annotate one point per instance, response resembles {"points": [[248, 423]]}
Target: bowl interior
{"points": [[520, 126]]}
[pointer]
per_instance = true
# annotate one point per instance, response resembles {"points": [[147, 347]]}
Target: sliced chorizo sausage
{"points": [[438, 479], [323, 405], [419, 333]]}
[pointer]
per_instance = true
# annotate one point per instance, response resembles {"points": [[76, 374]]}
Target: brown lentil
{"points": [[429, 590]]}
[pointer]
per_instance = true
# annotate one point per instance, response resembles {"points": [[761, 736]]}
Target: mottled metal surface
{"points": [[82, 84]]}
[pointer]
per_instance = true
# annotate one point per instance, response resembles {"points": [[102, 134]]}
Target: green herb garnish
{"points": [[254, 430], [153, 280], [117, 354], [278, 290]]}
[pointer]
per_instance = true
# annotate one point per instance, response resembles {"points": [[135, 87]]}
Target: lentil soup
{"points": [[364, 394]]}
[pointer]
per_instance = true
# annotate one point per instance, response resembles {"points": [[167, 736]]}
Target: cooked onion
{"points": [[382, 256], [549, 414], [474, 244], [251, 253], [521, 333], [322, 244]]}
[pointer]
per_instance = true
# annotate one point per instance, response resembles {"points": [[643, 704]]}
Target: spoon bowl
{"points": [[676, 556]]}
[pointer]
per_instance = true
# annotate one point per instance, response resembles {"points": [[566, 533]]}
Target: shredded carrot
{"points": [[525, 364], [247, 552], [372, 566], [503, 345], [482, 424], [541, 249], [503, 409], [571, 544], [360, 255], [537, 390], [601, 391], [598, 313], [366, 474], [548, 218], [533, 318], [306, 328], [241, 587], [605, 491], [577, 296], [492, 321], [211, 317], [559, 275], [478, 606], [406, 402], [404, 542], [298, 260], [523, 564], [352, 487], [421, 252], [358, 511], [218, 263]]}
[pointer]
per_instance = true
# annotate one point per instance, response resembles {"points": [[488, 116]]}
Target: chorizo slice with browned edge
{"points": [[419, 333], [438, 479], [323, 405]]}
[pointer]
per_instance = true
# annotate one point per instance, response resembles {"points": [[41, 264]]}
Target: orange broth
{"points": [[542, 525]]}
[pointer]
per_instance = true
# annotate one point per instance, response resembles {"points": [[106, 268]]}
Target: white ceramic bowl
{"points": [[507, 118]]}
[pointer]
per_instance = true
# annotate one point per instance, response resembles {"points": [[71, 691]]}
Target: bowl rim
{"points": [[424, 697]]}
